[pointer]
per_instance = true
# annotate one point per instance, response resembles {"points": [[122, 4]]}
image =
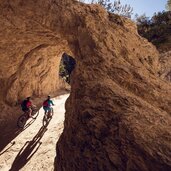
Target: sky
{"points": [[149, 7]]}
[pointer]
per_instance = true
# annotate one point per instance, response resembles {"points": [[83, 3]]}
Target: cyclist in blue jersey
{"points": [[47, 105]]}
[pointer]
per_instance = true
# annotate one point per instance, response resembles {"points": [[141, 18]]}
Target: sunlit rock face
{"points": [[118, 114], [165, 60]]}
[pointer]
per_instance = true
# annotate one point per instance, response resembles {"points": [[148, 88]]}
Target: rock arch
{"points": [[118, 113]]}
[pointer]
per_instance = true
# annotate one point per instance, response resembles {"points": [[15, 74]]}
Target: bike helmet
{"points": [[28, 98]]}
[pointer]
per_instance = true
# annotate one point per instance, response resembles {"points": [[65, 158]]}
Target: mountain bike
{"points": [[25, 116]]}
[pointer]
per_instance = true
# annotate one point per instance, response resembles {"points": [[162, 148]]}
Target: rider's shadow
{"points": [[28, 150]]}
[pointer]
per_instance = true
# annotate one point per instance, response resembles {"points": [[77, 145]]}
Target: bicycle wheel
{"points": [[35, 112], [45, 120], [22, 120]]}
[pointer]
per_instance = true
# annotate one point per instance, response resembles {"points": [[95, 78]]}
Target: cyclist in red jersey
{"points": [[26, 106]]}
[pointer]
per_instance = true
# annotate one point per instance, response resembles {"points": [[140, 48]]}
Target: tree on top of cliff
{"points": [[156, 29], [114, 7]]}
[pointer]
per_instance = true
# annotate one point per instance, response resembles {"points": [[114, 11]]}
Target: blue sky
{"points": [[149, 7]]}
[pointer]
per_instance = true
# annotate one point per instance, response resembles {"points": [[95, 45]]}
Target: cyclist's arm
{"points": [[52, 102]]}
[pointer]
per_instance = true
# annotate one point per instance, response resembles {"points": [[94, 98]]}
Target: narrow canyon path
{"points": [[35, 147]]}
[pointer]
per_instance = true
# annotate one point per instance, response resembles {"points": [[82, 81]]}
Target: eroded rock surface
{"points": [[118, 114], [165, 60]]}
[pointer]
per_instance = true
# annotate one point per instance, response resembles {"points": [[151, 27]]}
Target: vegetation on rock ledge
{"points": [[157, 29]]}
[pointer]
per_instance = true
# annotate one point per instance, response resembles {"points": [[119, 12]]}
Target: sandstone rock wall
{"points": [[165, 60], [118, 114], [30, 54]]}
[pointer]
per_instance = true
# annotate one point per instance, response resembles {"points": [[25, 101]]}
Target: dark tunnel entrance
{"points": [[67, 64]]}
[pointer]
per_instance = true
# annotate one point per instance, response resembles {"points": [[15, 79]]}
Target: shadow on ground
{"points": [[29, 149], [10, 132]]}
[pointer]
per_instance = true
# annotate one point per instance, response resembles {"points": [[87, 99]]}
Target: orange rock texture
{"points": [[118, 114], [165, 60]]}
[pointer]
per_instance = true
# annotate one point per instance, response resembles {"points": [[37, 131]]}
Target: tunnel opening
{"points": [[67, 65], [45, 70]]}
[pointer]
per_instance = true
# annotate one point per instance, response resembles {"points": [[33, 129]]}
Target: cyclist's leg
{"points": [[49, 111], [45, 110], [30, 112]]}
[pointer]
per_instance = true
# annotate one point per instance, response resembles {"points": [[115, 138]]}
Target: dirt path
{"points": [[34, 149]]}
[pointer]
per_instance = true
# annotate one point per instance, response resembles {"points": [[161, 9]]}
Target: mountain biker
{"points": [[47, 105], [26, 106]]}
